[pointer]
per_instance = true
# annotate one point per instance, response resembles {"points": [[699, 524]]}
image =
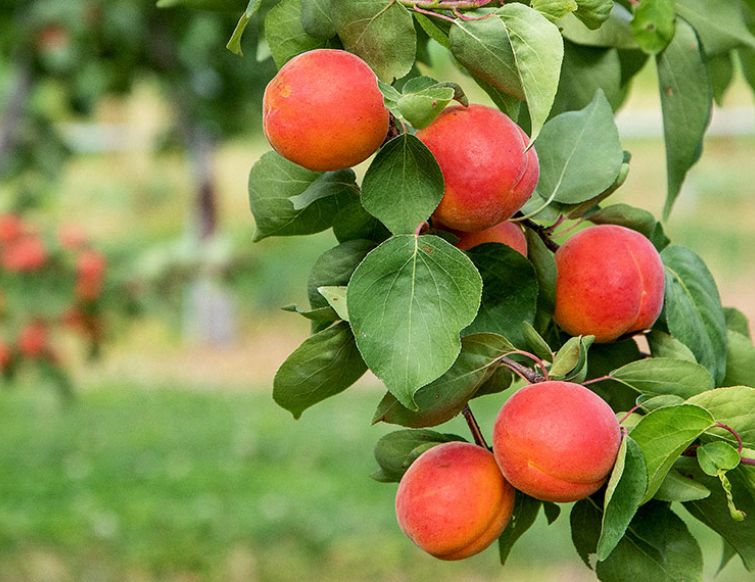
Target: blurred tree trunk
{"points": [[14, 110]]}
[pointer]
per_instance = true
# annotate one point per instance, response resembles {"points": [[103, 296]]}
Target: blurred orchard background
{"points": [[126, 134]]}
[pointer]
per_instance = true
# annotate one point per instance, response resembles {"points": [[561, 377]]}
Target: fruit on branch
{"points": [[90, 273], [33, 340], [610, 282], [488, 173], [507, 233], [556, 441], [24, 255], [453, 501], [6, 355], [11, 228], [324, 110]]}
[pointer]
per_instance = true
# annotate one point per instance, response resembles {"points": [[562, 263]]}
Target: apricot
{"points": [[324, 110], [11, 228], [24, 255], [453, 501], [507, 233], [90, 272], [610, 282], [32, 341], [488, 173], [556, 441], [6, 355]]}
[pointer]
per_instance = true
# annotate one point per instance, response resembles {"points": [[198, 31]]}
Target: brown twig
{"points": [[540, 231], [525, 373], [474, 427]]}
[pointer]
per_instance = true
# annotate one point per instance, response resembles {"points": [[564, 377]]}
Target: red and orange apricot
{"points": [[507, 233]]}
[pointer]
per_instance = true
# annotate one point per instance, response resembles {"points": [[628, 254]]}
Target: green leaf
{"points": [[552, 511], [662, 345], [353, 222], [615, 32], [334, 268], [734, 407], [692, 309], [604, 358], [580, 153], [545, 270], [403, 185], [408, 302], [571, 360], [717, 456], [624, 492], [336, 298], [686, 101], [379, 31], [662, 436], [234, 44], [443, 399], [319, 314], [722, 33], [324, 365], [593, 13], [585, 520], [737, 321], [285, 34], [635, 218], [553, 10], [658, 376], [509, 292], [435, 29], [335, 183], [393, 452], [679, 488], [650, 402], [525, 512], [583, 72], [740, 360], [317, 19], [538, 51], [422, 99], [721, 74], [536, 343], [653, 24], [274, 180], [498, 381], [713, 511]]}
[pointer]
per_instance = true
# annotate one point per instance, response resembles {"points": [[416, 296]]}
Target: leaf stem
{"points": [[598, 379], [474, 427], [629, 413], [735, 434], [525, 373]]}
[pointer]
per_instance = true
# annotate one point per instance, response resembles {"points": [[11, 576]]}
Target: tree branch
{"points": [[523, 372], [14, 110], [474, 428], [540, 231]]}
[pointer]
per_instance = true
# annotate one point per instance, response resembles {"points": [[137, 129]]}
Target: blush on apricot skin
{"points": [[453, 502], [489, 173], [324, 110], [610, 282], [556, 441]]}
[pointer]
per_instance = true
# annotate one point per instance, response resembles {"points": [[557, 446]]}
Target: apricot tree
{"points": [[641, 396]]}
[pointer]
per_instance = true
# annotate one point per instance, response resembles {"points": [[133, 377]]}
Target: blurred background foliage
{"points": [[133, 124]]}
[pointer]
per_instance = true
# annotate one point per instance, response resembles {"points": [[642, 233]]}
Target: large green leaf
{"points": [[285, 34], [538, 51], [553, 10], [686, 101], [615, 32], [662, 436], [422, 99], [692, 309], [653, 24], [408, 302], [525, 512], [580, 153], [324, 365], [394, 451], [719, 34], [443, 399], [737, 321], [662, 345], [509, 292], [274, 180], [334, 267], [403, 185], [353, 222], [317, 18], [679, 488], [380, 31], [656, 376], [624, 493], [593, 13], [740, 360], [734, 407]]}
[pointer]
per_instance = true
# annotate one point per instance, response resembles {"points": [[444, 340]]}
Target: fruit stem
{"points": [[629, 413], [538, 361], [474, 428], [735, 434], [523, 372], [598, 379], [540, 231]]}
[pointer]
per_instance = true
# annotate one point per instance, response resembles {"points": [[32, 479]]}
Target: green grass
{"points": [[170, 484]]}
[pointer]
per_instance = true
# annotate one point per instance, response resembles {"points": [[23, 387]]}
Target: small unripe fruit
{"points": [[32, 341], [488, 174], [556, 441], [453, 501], [610, 282], [24, 255], [324, 110], [507, 233]]}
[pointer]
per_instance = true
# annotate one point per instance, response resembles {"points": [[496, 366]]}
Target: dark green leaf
{"points": [[334, 267], [443, 399], [734, 407], [536, 343], [393, 452], [593, 13], [285, 34], [403, 185], [525, 512], [635, 218], [380, 31], [324, 365], [680, 488], [317, 19], [740, 361], [653, 24], [721, 74], [650, 402], [509, 293], [737, 321], [720, 34], [585, 520], [408, 302], [615, 32], [692, 309], [662, 345], [686, 101], [498, 381], [545, 270], [274, 180], [435, 29], [605, 358], [353, 222], [552, 511], [717, 456], [234, 44], [330, 184], [570, 363], [320, 314], [659, 376]]}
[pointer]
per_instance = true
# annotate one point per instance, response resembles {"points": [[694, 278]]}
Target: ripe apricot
{"points": [[6, 355], [24, 255], [11, 227], [32, 341], [556, 441], [453, 501], [488, 173], [507, 233], [90, 272], [610, 282], [324, 111]]}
